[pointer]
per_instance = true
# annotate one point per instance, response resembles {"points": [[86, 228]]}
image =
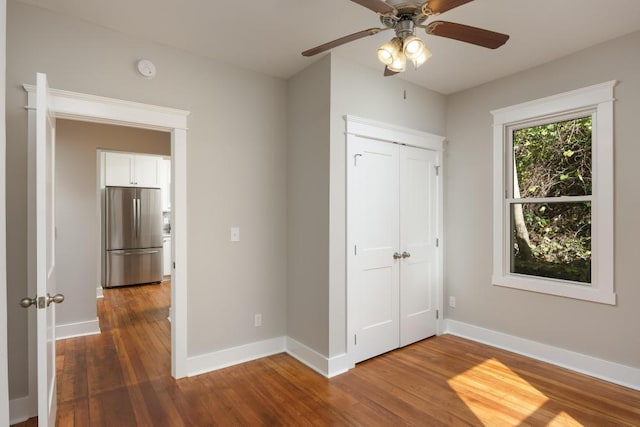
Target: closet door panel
{"points": [[373, 179], [418, 233]]}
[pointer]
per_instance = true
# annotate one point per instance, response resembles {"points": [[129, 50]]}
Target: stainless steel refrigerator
{"points": [[133, 236]]}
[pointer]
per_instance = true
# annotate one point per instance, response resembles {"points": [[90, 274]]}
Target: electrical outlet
{"points": [[257, 320], [452, 302], [235, 234]]}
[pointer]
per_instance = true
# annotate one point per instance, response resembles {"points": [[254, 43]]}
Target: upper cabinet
{"points": [[131, 170], [164, 180]]}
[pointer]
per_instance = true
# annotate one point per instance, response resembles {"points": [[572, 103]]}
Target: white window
{"points": [[553, 195]]}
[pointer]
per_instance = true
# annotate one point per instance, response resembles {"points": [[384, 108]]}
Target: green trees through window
{"points": [[551, 200]]}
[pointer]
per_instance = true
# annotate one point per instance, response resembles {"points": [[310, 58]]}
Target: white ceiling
{"points": [[268, 35]]}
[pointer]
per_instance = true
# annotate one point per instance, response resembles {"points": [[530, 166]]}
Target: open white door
{"points": [[45, 256]]}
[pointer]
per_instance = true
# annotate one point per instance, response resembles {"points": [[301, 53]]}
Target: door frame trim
{"points": [[389, 133], [4, 351], [97, 109]]}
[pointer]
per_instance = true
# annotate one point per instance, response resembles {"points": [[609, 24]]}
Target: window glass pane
{"points": [[552, 240], [553, 160]]}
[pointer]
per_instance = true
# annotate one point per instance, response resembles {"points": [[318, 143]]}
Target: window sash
{"points": [[510, 157], [508, 248], [563, 199]]}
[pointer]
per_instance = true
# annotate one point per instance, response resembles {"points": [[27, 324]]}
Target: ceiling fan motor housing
{"points": [[409, 13], [404, 28]]}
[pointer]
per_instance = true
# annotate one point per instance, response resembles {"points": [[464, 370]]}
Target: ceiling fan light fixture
{"points": [[384, 56], [422, 57], [388, 51], [413, 47], [399, 63]]}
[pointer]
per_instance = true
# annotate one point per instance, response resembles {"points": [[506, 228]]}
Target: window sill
{"points": [[558, 288]]}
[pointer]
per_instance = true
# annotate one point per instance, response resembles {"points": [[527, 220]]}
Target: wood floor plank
{"points": [[122, 378]]}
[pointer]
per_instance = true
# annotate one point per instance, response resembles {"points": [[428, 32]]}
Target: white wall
{"points": [[236, 160], [603, 331], [77, 221]]}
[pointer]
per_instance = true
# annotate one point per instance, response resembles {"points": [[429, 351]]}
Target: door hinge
{"points": [[174, 265], [437, 168], [437, 242], [355, 249], [355, 339], [437, 314]]}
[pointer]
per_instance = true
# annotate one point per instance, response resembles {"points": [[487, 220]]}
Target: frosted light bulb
{"points": [[385, 56], [413, 47], [399, 63], [389, 50]]}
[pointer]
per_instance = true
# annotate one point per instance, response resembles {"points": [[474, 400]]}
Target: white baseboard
{"points": [[232, 356], [79, 329], [328, 367], [599, 368], [99, 292], [21, 410]]}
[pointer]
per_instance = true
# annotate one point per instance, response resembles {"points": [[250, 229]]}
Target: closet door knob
{"points": [[406, 254], [397, 255]]}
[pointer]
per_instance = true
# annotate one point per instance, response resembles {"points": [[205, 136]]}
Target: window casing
{"points": [[595, 102]]}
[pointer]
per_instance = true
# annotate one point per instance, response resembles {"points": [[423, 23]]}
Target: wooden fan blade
{"points": [[388, 72], [342, 40], [441, 6], [468, 34], [377, 6]]}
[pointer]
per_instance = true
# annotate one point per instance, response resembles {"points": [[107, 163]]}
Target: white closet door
{"points": [[373, 179], [418, 233]]}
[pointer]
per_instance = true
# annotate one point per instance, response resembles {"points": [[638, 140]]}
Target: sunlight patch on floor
{"points": [[497, 408]]}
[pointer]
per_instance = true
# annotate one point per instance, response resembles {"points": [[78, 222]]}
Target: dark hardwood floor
{"points": [[122, 378]]}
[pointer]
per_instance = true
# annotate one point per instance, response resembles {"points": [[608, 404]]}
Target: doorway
{"points": [[79, 210], [88, 108]]}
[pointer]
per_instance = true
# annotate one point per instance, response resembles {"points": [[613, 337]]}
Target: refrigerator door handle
{"points": [[140, 216], [134, 252], [134, 224]]}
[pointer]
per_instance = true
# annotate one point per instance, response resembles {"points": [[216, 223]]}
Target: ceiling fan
{"points": [[404, 16]]}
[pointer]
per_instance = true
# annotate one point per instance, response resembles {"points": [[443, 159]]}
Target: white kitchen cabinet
{"points": [[117, 169], [164, 180], [166, 256], [145, 171], [131, 170]]}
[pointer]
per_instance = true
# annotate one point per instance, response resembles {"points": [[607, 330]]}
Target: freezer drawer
{"points": [[131, 267]]}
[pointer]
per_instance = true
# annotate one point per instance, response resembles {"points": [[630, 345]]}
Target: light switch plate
{"points": [[235, 234]]}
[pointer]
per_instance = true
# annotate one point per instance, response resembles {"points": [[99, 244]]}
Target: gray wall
{"points": [[319, 98], [363, 92], [308, 213], [236, 154], [608, 332], [77, 221]]}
